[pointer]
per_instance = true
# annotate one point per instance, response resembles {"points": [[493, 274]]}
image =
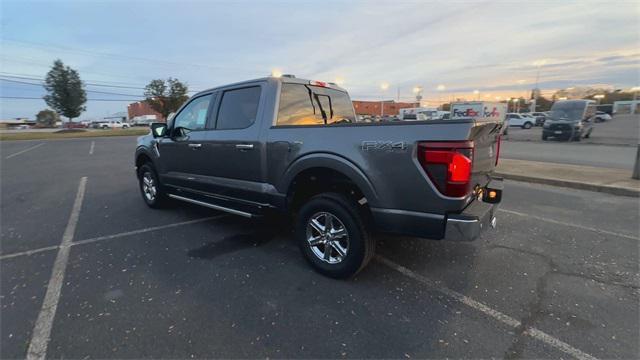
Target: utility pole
{"points": [[636, 167]]}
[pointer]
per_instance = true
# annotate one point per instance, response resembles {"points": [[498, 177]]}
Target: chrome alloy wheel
{"points": [[327, 237], [149, 187]]}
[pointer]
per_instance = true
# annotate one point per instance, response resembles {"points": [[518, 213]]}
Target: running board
{"points": [[211, 206]]}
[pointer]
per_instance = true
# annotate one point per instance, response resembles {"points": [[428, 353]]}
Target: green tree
{"points": [[47, 118], [65, 90], [166, 96]]}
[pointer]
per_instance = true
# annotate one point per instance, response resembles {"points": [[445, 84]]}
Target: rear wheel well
{"points": [[314, 181]]}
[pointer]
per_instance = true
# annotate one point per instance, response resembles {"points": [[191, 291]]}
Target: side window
{"points": [[296, 106], [311, 105], [238, 108], [194, 115]]}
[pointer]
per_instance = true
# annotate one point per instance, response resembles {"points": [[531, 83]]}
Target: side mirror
{"points": [[158, 129]]}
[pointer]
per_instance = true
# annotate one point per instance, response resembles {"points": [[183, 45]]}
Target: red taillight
{"points": [[448, 165], [498, 148]]}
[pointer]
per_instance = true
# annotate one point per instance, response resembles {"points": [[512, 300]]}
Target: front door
{"points": [[182, 153]]}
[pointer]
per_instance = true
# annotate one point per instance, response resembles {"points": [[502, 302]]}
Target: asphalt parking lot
{"points": [[558, 278], [622, 130]]}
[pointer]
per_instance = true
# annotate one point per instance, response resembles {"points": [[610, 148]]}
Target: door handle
{"points": [[195, 146], [244, 146]]}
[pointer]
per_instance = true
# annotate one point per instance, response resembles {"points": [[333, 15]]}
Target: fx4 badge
{"points": [[383, 145]]}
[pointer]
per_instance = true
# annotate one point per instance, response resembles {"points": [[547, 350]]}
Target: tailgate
{"points": [[486, 140]]}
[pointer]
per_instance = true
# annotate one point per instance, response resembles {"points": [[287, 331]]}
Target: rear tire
{"points": [[544, 137], [150, 188], [333, 237]]}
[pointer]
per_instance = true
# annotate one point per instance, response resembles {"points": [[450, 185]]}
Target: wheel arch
{"points": [[332, 167]]}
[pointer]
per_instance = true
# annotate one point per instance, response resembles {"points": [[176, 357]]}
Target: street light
{"points": [[516, 102], [599, 97], [418, 91], [383, 86]]}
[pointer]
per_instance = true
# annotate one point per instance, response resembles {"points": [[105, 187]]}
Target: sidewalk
{"points": [[612, 181]]}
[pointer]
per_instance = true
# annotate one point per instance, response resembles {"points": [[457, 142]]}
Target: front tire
{"points": [[527, 125], [150, 188], [333, 237]]}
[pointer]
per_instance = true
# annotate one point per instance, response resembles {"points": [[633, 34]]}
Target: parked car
{"points": [[602, 116], [114, 124], [540, 118], [521, 120], [570, 120], [293, 146], [74, 125]]}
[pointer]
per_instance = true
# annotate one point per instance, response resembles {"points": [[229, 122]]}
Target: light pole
{"points": [[384, 86], [440, 89], [418, 91]]}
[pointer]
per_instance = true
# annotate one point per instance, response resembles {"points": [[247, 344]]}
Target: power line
{"points": [[39, 98], [88, 82], [92, 91]]}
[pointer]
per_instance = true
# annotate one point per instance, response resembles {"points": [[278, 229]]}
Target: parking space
{"points": [[558, 277]]}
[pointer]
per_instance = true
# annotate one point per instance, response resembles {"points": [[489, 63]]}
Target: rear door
{"points": [[233, 154]]}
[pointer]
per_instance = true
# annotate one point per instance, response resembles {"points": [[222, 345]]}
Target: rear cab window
{"points": [[304, 105]]}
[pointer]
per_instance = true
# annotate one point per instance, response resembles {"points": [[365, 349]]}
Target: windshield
{"points": [[567, 110]]}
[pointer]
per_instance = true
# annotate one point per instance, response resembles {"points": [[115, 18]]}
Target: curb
{"points": [[614, 190]]}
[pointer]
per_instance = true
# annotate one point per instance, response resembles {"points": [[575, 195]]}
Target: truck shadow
{"points": [[262, 232]]}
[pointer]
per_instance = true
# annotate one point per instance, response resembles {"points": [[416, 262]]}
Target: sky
{"points": [[497, 48]]}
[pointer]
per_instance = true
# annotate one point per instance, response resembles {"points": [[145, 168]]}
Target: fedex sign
{"points": [[478, 110]]}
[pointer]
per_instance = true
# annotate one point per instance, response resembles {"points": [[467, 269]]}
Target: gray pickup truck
{"points": [[295, 147]]}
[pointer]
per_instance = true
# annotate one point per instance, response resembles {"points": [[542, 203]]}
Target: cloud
{"points": [[465, 45]]}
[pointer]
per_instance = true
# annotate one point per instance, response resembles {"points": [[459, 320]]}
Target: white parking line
{"points": [[141, 231], [93, 143], [42, 328], [569, 224], [24, 151], [108, 237], [476, 305]]}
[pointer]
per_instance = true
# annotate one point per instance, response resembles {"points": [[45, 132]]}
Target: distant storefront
{"points": [[626, 107], [141, 108]]}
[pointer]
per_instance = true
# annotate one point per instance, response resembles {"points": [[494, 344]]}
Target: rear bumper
{"points": [[566, 133], [468, 225]]}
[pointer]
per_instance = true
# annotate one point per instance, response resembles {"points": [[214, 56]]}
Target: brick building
{"points": [[390, 107], [140, 108]]}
